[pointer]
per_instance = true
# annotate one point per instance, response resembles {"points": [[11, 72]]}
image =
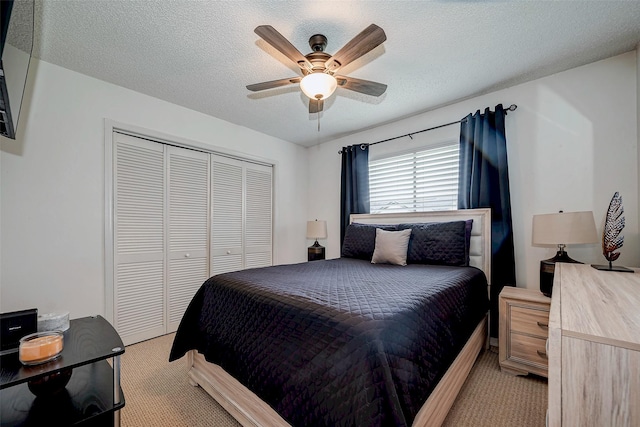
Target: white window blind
{"points": [[425, 180]]}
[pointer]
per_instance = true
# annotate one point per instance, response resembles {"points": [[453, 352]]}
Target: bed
{"points": [[344, 341]]}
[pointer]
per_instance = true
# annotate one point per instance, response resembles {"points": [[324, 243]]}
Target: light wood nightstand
{"points": [[524, 325]]}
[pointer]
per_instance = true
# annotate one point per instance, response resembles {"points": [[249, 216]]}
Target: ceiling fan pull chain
{"points": [[318, 122]]}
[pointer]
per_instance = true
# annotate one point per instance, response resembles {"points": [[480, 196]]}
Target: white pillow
{"points": [[391, 247]]}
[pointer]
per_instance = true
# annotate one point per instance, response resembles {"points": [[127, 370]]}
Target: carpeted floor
{"points": [[157, 394]]}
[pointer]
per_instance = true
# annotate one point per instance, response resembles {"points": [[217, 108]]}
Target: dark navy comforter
{"points": [[338, 342]]}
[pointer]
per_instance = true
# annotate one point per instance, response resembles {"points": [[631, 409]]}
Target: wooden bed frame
{"points": [[250, 411]]}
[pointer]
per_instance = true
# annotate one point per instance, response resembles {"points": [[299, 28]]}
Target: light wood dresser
{"points": [[594, 348], [524, 322]]}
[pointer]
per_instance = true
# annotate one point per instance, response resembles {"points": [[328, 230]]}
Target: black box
{"points": [[16, 325]]}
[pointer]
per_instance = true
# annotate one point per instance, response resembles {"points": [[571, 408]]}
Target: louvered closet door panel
{"points": [[138, 238], [258, 216], [188, 195], [226, 214]]}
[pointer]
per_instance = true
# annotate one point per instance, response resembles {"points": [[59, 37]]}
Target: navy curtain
{"points": [[484, 183], [354, 194]]}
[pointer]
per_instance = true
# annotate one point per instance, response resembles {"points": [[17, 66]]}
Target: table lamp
{"points": [[316, 230], [561, 229]]}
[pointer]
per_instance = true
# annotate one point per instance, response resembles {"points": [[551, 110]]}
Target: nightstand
{"points": [[524, 325]]}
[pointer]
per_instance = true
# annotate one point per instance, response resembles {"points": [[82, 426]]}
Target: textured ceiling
{"points": [[202, 54]]}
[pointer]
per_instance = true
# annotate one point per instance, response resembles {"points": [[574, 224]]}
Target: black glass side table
{"points": [[92, 397]]}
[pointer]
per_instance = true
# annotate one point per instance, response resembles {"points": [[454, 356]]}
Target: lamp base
{"points": [[547, 269], [315, 252]]}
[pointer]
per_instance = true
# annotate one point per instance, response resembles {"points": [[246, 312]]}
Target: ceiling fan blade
{"points": [[363, 86], [364, 42], [278, 41], [315, 105], [274, 83]]}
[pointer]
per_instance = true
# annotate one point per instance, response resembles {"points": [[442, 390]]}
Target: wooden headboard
{"points": [[480, 247]]}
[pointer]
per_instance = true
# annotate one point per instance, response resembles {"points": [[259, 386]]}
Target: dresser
{"points": [[594, 348], [524, 323]]}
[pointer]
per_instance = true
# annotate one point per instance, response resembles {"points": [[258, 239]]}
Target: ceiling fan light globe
{"points": [[318, 85]]}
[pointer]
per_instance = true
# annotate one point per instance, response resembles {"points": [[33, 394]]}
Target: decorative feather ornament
{"points": [[611, 238], [614, 223]]}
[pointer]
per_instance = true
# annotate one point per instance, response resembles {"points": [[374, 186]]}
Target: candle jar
{"points": [[40, 347]]}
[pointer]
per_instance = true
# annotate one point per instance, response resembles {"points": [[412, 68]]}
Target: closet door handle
{"points": [[187, 255], [228, 252]]}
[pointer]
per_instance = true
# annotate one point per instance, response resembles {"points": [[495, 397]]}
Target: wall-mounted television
{"points": [[16, 43]]}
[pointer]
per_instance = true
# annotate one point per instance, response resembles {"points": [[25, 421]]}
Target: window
{"points": [[425, 180]]}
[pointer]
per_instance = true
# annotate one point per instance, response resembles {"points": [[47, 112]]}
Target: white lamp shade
{"points": [[568, 228], [318, 85], [316, 229]]}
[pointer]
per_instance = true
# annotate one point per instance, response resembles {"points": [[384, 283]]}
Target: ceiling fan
{"points": [[319, 80]]}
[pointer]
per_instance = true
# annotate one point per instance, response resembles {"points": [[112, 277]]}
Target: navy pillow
{"points": [[360, 240], [443, 243]]}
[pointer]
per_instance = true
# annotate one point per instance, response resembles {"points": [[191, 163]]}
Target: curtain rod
{"points": [[512, 107]]}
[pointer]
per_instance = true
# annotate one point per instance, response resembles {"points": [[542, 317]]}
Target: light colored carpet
{"points": [[157, 393], [491, 398]]}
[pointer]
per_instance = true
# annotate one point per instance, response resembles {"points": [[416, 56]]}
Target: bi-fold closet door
{"points": [[179, 217], [161, 211], [187, 230], [241, 222]]}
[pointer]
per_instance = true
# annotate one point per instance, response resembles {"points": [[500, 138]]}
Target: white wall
{"points": [[52, 186], [572, 142]]}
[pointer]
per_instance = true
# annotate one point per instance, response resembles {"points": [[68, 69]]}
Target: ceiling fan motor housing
{"points": [[318, 61]]}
